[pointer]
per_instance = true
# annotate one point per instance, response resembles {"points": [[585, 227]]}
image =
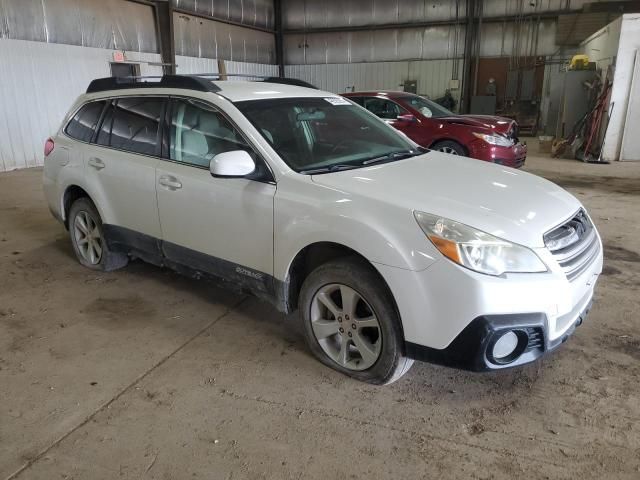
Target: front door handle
{"points": [[171, 182], [96, 163]]}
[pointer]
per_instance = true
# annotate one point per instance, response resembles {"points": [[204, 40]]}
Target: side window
{"points": [[104, 134], [358, 100], [383, 108], [131, 123], [83, 123], [199, 132]]}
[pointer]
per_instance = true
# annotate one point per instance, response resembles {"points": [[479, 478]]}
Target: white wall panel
{"points": [[432, 75], [621, 90], [630, 139], [39, 83]]}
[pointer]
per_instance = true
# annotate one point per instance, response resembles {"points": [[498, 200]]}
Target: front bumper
{"points": [[513, 156], [451, 314], [471, 350]]}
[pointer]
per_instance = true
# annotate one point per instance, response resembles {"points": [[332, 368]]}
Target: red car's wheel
{"points": [[450, 147]]}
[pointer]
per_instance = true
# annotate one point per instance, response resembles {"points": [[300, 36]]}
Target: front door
{"points": [[220, 226]]}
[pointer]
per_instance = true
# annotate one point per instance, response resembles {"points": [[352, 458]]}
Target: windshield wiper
{"points": [[328, 169], [392, 156]]}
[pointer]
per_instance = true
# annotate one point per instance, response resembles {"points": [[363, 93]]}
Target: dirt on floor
{"points": [[142, 373]]}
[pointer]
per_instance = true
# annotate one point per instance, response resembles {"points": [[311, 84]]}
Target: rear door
{"points": [[221, 226], [120, 170]]}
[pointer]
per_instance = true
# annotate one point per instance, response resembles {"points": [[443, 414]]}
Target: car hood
{"points": [[508, 203], [500, 125]]}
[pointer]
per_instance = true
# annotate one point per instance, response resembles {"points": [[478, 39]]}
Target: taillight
{"points": [[48, 147]]}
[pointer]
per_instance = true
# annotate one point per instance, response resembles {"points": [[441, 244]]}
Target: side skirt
{"points": [[195, 264]]}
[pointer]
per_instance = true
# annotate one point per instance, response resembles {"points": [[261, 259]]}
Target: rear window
{"points": [[83, 123], [132, 124]]}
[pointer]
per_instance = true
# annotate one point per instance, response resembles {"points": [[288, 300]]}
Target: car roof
{"points": [[233, 90], [238, 91], [386, 93]]}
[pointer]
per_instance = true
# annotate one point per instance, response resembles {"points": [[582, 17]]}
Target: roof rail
{"points": [[196, 81], [188, 82], [265, 78], [290, 81]]}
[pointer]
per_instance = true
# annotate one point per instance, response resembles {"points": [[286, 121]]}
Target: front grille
{"points": [[574, 244]]}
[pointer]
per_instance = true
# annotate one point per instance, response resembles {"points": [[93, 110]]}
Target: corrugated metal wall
{"points": [[199, 37], [373, 45], [114, 24], [301, 14], [525, 34], [527, 38], [39, 83], [190, 65], [41, 80], [258, 13], [432, 75]]}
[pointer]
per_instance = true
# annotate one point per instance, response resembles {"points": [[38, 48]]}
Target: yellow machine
{"points": [[579, 62]]}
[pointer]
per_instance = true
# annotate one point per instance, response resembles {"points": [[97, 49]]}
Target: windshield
{"points": [[318, 135], [426, 107]]}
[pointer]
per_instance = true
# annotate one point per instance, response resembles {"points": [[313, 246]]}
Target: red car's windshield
{"points": [[426, 107]]}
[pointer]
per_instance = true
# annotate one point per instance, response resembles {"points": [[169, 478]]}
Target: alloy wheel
{"points": [[448, 150], [346, 327], [87, 237]]}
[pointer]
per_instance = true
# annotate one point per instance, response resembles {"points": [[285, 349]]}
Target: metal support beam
{"points": [[163, 13], [469, 40], [279, 37]]}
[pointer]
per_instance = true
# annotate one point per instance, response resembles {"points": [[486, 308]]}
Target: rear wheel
{"points": [[350, 322], [87, 238], [450, 147]]}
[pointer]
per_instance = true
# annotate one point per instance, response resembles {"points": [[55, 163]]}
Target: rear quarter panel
{"points": [[63, 168]]}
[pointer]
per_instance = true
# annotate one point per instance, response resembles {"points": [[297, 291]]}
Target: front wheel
{"points": [[450, 147], [350, 322]]}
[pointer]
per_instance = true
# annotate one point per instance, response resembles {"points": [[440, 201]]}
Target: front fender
{"points": [[307, 213]]}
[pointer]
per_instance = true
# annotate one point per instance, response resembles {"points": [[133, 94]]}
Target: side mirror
{"points": [[407, 118], [234, 164]]}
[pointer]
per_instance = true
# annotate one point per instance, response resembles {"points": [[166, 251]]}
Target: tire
{"points": [[91, 248], [337, 339], [450, 147]]}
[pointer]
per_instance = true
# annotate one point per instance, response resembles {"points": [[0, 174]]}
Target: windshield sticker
{"points": [[338, 101]]}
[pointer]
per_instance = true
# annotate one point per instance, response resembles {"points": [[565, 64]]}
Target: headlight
{"points": [[477, 250], [495, 139]]}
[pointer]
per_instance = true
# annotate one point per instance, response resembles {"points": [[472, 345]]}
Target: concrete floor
{"points": [[144, 374]]}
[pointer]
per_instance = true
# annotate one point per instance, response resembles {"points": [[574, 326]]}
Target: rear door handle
{"points": [[96, 163], [172, 183]]}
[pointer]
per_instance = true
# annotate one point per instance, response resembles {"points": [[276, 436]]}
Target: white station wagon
{"points": [[391, 252]]}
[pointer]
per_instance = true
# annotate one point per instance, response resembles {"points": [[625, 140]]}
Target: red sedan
{"points": [[485, 137]]}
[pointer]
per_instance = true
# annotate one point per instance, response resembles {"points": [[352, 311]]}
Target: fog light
{"points": [[505, 346]]}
